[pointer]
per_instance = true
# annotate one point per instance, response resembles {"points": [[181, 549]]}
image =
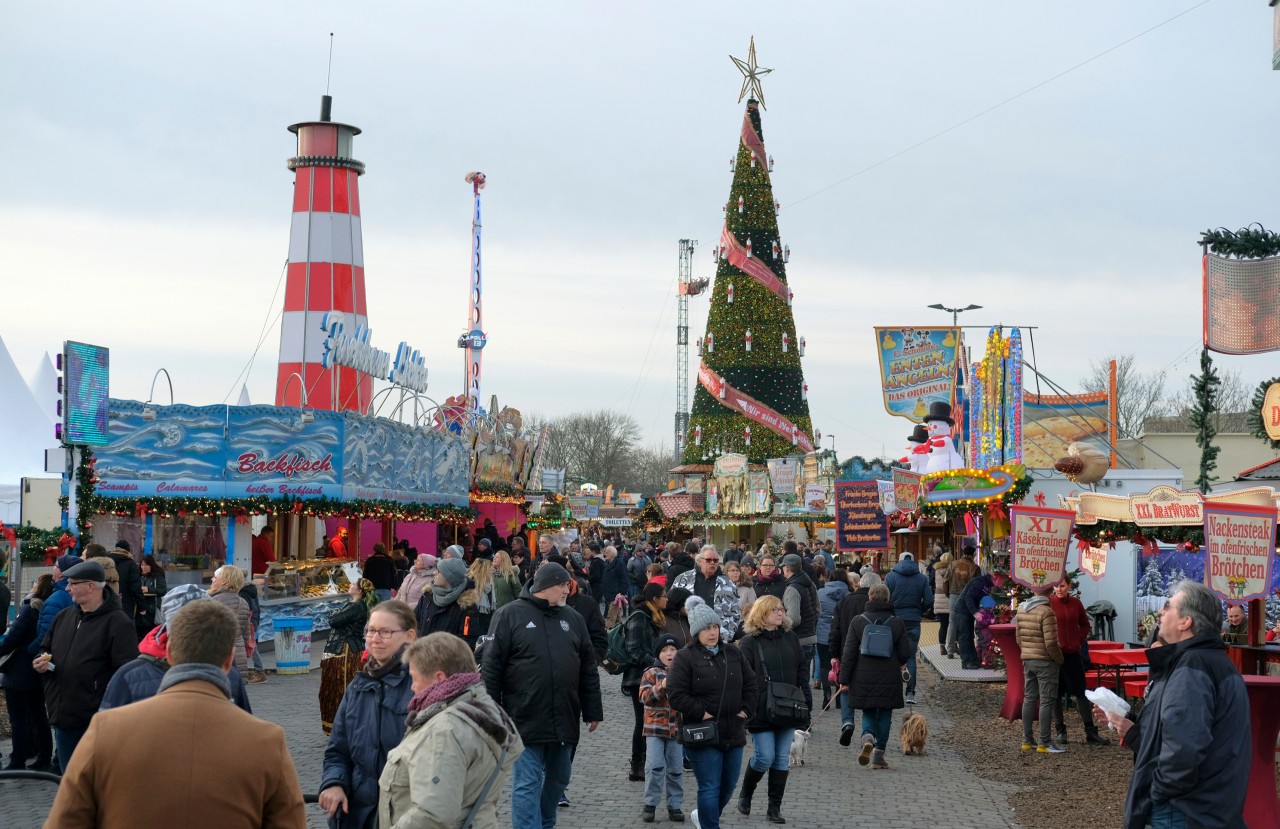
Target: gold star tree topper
{"points": [[751, 74]]}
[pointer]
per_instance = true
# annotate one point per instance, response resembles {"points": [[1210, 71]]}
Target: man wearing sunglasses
{"points": [[716, 589]]}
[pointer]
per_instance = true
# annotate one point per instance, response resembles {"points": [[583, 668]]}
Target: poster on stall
{"points": [[1039, 543], [917, 368], [887, 503], [815, 497], [760, 499], [782, 474], [906, 490], [1239, 543], [1093, 560], [713, 494], [860, 523]]}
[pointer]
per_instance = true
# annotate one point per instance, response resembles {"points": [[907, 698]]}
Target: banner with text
{"points": [[1093, 560], [917, 367], [1039, 544], [860, 523], [906, 490], [1239, 544]]}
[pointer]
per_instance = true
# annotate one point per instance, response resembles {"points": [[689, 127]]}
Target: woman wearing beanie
{"points": [[709, 680], [641, 629], [439, 611], [773, 653], [874, 683], [343, 648]]}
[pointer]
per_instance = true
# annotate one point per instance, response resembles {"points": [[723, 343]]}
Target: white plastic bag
{"points": [[1109, 702]]}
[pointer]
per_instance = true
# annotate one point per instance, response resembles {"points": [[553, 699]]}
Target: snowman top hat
{"points": [[919, 435], [940, 410]]}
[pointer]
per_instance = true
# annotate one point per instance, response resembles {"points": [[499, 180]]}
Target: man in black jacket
{"points": [[681, 560], [1191, 745], [83, 648], [541, 668], [801, 602], [132, 599]]}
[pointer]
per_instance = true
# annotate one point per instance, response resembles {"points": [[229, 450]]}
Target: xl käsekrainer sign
{"points": [[1038, 544]]}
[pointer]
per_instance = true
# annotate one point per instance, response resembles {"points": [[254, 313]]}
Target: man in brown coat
{"points": [[209, 764], [1041, 655]]}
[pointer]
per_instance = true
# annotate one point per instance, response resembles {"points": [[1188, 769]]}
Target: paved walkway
{"points": [[830, 792]]}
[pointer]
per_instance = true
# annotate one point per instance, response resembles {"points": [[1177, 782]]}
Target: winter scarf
{"points": [[444, 690], [373, 670], [197, 670], [445, 596]]}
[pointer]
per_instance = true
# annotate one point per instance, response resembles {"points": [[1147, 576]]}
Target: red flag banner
{"points": [[752, 408]]}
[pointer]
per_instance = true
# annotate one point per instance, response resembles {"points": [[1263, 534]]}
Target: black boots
{"points": [[637, 771], [749, 782], [777, 788], [1091, 734]]}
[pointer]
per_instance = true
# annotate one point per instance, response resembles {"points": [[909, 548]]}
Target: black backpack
{"points": [[877, 638]]}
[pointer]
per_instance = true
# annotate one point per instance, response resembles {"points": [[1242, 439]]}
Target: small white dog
{"points": [[799, 743]]}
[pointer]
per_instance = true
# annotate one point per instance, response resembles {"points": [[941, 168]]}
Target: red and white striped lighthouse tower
{"points": [[326, 268]]}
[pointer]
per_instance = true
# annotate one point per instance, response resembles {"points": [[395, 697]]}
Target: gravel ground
{"points": [[1084, 787]]}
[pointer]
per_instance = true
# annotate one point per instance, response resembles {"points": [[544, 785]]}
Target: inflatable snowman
{"points": [[917, 450], [942, 448]]}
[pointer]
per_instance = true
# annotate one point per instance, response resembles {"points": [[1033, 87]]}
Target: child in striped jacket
{"points": [[665, 756]]}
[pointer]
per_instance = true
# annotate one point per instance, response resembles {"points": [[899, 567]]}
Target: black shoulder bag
{"points": [[706, 732], [784, 705]]}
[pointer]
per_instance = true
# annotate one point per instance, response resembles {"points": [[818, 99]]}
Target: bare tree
{"points": [[648, 474], [1233, 396], [1139, 395], [595, 447]]}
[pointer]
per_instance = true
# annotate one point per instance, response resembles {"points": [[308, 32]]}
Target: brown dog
{"points": [[915, 730]]}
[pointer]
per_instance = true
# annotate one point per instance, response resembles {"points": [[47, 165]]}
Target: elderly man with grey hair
{"points": [[715, 588], [1191, 744]]}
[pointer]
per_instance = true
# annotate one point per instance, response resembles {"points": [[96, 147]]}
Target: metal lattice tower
{"points": [[686, 288]]}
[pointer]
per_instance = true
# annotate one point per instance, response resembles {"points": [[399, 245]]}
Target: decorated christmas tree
{"points": [[751, 396]]}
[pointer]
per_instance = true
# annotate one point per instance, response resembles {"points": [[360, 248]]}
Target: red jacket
{"points": [[1073, 622]]}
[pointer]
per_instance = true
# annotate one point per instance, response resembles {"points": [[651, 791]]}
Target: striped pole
{"points": [[326, 267]]}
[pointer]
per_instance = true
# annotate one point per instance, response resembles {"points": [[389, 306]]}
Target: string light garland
{"points": [[765, 365]]}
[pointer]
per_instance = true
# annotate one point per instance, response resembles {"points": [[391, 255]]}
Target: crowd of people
{"points": [[478, 667]]}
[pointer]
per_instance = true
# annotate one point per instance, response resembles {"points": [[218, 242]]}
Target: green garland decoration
{"points": [[313, 507], [1104, 532], [947, 512], [1257, 416], [1252, 242]]}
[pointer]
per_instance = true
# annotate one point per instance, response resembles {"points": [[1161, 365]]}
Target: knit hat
{"points": [[549, 574], [123, 545], [66, 562], [663, 641], [430, 560], [791, 560], [86, 571], [700, 617], [486, 543], [906, 557], [454, 570], [748, 561], [179, 597], [455, 551], [987, 601]]}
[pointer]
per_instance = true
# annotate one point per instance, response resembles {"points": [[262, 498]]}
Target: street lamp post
{"points": [[954, 312]]}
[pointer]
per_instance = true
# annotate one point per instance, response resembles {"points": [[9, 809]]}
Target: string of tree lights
{"points": [[751, 343]]}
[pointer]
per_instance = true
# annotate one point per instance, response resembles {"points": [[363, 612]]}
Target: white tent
{"points": [[44, 388], [26, 430]]}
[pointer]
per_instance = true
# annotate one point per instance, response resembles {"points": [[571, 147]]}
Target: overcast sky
{"points": [[146, 200]]}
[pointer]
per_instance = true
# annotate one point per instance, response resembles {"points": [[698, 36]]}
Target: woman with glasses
{"points": [[370, 721], [769, 579], [342, 649]]}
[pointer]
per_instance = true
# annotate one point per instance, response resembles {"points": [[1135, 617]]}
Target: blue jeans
{"points": [[66, 741], [663, 767], [1165, 816], [717, 774], [538, 779], [963, 624], [876, 722], [913, 636], [846, 710], [772, 749], [383, 595], [809, 653]]}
